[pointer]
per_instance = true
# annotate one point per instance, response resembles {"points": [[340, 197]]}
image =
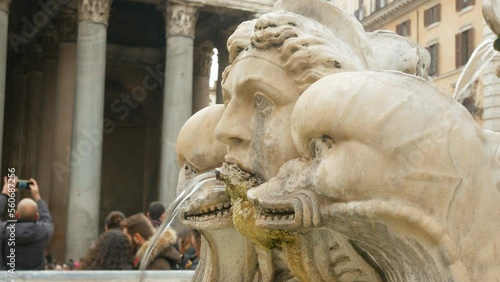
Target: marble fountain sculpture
{"points": [[340, 160]]}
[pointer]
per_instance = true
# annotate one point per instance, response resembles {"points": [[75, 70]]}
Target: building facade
{"points": [[95, 94], [451, 31]]}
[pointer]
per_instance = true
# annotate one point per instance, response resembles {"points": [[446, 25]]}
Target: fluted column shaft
{"points": [[87, 133], [45, 151], [4, 24], [63, 115], [180, 26]]}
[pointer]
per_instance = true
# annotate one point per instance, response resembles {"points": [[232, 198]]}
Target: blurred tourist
{"points": [[113, 220], [156, 213], [196, 241], [112, 251], [32, 231], [186, 248], [163, 256]]}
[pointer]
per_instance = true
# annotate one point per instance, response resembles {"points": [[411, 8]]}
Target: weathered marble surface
{"points": [[395, 52], [397, 167], [342, 161], [225, 255], [491, 13]]}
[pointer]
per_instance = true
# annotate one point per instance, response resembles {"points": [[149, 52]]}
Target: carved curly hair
{"points": [[307, 49], [112, 251]]}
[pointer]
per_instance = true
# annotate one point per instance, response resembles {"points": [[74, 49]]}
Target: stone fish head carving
{"points": [[209, 208], [198, 152], [398, 167]]}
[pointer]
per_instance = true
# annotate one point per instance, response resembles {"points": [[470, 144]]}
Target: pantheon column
{"points": [[201, 75], [62, 115], [4, 24], [180, 26], [85, 175], [33, 108], [46, 130]]}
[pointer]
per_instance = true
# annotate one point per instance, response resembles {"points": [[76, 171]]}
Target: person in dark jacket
{"points": [[140, 231], [156, 213], [30, 235]]}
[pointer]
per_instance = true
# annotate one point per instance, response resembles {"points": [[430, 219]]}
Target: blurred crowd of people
{"points": [[122, 245], [125, 240]]}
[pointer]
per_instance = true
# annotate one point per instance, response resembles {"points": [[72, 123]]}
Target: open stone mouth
{"points": [[211, 212], [234, 176], [277, 215]]}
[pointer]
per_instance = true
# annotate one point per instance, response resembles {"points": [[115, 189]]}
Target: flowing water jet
{"points": [[478, 61], [173, 209]]}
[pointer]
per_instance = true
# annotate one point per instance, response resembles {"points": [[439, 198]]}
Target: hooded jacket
{"points": [[29, 241], [164, 255]]}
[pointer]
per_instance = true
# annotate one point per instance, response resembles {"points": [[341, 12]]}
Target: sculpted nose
{"points": [[233, 127]]}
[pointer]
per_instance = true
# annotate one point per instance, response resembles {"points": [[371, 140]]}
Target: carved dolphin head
{"points": [[198, 152], [389, 148], [376, 134]]}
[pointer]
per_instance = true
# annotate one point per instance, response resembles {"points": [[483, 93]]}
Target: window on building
{"points": [[464, 46], [432, 15], [434, 52], [360, 12], [403, 28], [379, 4], [460, 4]]}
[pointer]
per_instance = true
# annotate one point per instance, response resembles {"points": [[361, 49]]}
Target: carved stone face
{"points": [[259, 98]]}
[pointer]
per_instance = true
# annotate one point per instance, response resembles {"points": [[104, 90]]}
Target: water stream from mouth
{"points": [[479, 59], [192, 186]]}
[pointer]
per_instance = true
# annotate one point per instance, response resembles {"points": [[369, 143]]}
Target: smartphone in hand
{"points": [[23, 184]]}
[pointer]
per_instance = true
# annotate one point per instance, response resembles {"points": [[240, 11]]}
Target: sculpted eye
{"points": [[262, 104], [189, 169], [319, 146]]}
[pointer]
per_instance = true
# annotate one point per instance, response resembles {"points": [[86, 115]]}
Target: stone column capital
{"points": [[181, 18], [67, 25], [202, 58], [96, 11], [5, 5]]}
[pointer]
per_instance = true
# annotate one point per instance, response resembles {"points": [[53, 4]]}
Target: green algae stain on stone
{"points": [[237, 184]]}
